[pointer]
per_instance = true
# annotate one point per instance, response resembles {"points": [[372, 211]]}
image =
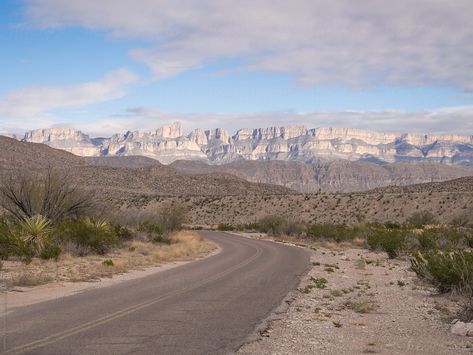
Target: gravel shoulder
{"points": [[367, 304]]}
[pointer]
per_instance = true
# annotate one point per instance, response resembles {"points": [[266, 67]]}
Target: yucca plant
{"points": [[98, 224], [35, 232]]}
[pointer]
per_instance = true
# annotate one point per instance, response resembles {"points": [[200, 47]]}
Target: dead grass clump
{"points": [[28, 278], [184, 245]]}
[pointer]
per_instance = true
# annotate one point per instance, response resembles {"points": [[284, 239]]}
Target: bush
{"points": [[224, 227], [390, 241], [34, 232], [444, 238], [108, 262], [277, 226], [447, 271], [338, 233], [122, 233], [461, 221], [88, 236], [392, 225], [422, 219], [51, 252], [150, 228], [50, 195], [11, 245], [171, 217]]}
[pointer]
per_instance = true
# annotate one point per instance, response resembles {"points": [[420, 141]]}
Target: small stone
{"points": [[462, 328]]}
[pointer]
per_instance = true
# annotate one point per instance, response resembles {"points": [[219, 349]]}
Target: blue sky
{"points": [[107, 66]]}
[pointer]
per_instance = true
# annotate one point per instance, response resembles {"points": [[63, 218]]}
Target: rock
{"points": [[288, 143], [462, 328]]}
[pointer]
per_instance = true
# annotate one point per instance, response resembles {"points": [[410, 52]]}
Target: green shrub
{"points": [[224, 227], [159, 238], [108, 262], [392, 225], [390, 241], [150, 228], [11, 245], [35, 232], [336, 232], [51, 252], [319, 282], [123, 233], [422, 219], [426, 241], [277, 226], [89, 236], [447, 271], [446, 238]]}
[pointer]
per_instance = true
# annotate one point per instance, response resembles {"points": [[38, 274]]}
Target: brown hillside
{"points": [[113, 182]]}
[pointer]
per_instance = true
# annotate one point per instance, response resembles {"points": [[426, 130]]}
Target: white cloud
{"points": [[403, 42], [38, 101]]}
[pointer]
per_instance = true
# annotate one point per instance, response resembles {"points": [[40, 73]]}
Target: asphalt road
{"points": [[205, 307]]}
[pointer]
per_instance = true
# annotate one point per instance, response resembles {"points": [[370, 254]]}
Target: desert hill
{"points": [[113, 182], [334, 176]]}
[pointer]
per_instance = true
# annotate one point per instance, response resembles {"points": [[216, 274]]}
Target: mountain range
{"points": [[289, 143]]}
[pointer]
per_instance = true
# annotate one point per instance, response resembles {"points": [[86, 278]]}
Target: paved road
{"points": [[206, 307]]}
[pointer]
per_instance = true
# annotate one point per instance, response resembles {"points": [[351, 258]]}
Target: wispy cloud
{"points": [[356, 43], [40, 100]]}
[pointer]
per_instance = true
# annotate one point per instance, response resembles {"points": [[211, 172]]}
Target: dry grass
{"points": [[136, 255]]}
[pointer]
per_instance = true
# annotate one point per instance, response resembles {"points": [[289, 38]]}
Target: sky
{"points": [[111, 66]]}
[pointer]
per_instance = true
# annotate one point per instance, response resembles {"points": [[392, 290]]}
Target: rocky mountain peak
{"points": [[288, 143]]}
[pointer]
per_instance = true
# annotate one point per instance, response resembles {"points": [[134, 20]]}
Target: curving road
{"points": [[205, 307]]}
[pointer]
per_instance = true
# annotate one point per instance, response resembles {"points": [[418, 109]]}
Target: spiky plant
{"points": [[98, 224], [35, 232]]}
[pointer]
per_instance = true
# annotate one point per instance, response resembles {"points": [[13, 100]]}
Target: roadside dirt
{"points": [[354, 301]]}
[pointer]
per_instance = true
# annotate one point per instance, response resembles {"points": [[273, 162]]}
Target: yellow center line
{"points": [[118, 314]]}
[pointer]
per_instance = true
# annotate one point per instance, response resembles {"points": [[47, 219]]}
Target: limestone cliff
{"points": [[290, 143]]}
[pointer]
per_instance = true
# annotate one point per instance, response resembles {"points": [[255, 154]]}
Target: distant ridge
{"points": [[289, 143]]}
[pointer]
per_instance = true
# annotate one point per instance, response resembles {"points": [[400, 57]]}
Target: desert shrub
{"points": [[159, 238], [461, 221], [392, 225], [426, 241], [50, 194], [422, 219], [171, 217], [154, 233], [390, 241], [35, 232], [11, 245], [150, 228], [335, 232], [444, 238], [277, 225], [123, 233], [447, 271], [88, 236], [224, 227], [51, 252], [108, 262]]}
